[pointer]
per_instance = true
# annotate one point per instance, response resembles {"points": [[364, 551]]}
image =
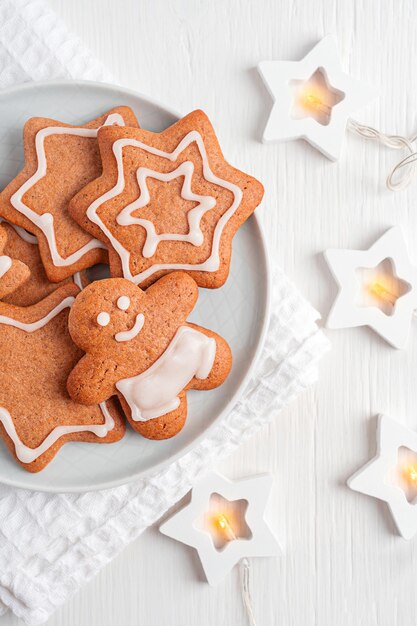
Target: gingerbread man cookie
{"points": [[37, 416], [13, 273], [59, 161], [166, 201], [140, 347]]}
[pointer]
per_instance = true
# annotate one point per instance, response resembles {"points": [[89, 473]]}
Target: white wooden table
{"points": [[343, 562]]}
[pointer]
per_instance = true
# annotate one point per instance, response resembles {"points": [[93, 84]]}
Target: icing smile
{"points": [[127, 335]]}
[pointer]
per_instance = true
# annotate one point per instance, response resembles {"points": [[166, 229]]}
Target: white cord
{"points": [[246, 594], [408, 164]]}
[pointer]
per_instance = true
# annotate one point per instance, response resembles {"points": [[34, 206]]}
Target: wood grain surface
{"points": [[343, 563]]}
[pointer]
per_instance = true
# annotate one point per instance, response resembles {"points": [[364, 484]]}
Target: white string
{"points": [[406, 169], [245, 587]]}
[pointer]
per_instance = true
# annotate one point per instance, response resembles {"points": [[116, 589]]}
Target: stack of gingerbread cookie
{"points": [[80, 357]]}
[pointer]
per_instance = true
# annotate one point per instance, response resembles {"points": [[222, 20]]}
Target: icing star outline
{"points": [[195, 235], [344, 313], [278, 75], [216, 564], [371, 479]]}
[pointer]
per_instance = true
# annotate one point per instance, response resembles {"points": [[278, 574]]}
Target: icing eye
{"points": [[103, 318], [123, 303]]}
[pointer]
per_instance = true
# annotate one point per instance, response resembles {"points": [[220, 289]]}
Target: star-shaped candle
{"points": [[313, 98], [347, 313], [225, 523], [392, 475]]}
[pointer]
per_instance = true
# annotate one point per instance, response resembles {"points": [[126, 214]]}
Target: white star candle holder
{"points": [[313, 98], [396, 294], [225, 523], [392, 475]]}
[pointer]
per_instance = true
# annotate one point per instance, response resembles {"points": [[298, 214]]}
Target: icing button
{"points": [[103, 318], [123, 303]]}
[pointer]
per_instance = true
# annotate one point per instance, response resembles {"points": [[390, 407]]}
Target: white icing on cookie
{"points": [[28, 455], [77, 280], [212, 263], [123, 303], [45, 222], [23, 452], [205, 203], [23, 234], [154, 393], [127, 335], [103, 318], [5, 265], [30, 327]]}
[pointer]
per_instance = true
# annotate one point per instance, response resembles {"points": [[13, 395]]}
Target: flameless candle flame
{"points": [[224, 525], [311, 101], [377, 289], [411, 474]]}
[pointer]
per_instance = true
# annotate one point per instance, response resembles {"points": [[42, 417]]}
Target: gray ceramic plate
{"points": [[238, 311]]}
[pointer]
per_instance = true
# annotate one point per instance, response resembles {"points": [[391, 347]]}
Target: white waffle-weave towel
{"points": [[50, 544]]}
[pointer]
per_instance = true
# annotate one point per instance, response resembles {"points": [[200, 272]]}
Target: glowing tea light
{"points": [[222, 523], [313, 102], [314, 98], [377, 289], [405, 473], [411, 474], [225, 521]]}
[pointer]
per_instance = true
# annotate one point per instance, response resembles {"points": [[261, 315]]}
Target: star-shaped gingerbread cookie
{"points": [[37, 416], [60, 159], [140, 347], [166, 201]]}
